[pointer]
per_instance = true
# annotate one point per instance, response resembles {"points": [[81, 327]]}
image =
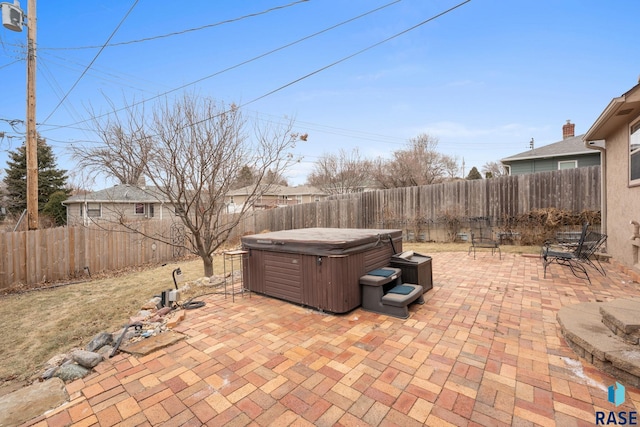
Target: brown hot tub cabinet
{"points": [[317, 267]]}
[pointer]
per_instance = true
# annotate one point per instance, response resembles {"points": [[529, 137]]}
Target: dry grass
{"points": [[40, 324]]}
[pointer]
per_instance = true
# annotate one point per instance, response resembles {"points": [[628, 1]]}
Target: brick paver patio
{"points": [[484, 349]]}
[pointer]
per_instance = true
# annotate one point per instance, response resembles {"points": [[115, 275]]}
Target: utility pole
{"points": [[13, 19], [32, 137]]}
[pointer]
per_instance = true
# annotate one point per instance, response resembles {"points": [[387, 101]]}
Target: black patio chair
{"points": [[484, 239], [576, 257]]}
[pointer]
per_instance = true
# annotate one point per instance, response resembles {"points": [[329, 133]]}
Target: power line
{"points": [[92, 61], [346, 58], [228, 21], [336, 62], [10, 63], [255, 58]]}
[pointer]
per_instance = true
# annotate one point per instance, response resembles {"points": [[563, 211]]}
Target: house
{"points": [[566, 154], [616, 135], [122, 202], [271, 196]]}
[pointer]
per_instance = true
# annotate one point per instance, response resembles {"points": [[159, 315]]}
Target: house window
{"points": [[634, 154], [567, 164], [94, 210], [151, 212], [299, 199], [139, 209]]}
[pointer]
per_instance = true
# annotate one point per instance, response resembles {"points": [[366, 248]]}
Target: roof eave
{"points": [[614, 115], [546, 156]]}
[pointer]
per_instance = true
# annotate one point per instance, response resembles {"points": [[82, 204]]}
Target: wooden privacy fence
{"points": [[573, 190], [31, 257], [62, 253]]}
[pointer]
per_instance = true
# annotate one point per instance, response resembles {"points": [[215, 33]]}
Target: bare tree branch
{"points": [[341, 173], [193, 151], [124, 149]]}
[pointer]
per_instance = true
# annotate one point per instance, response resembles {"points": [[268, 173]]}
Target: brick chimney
{"points": [[568, 130]]}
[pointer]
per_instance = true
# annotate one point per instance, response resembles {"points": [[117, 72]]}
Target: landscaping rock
{"points": [[105, 351], [30, 402], [49, 373], [71, 372], [152, 304], [163, 311], [88, 359], [57, 360], [103, 338]]}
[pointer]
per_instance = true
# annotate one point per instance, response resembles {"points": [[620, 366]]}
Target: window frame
{"points": [[91, 210], [139, 205], [634, 136], [574, 162]]}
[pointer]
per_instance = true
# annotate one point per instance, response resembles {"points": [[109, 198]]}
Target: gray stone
{"points": [[71, 372], [30, 402], [57, 360], [103, 338], [49, 373], [105, 351], [88, 359]]}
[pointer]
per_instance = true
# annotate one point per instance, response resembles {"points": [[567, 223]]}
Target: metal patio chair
{"points": [[484, 239], [576, 257]]}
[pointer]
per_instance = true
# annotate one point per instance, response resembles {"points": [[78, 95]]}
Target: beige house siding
{"points": [[621, 201], [113, 212]]}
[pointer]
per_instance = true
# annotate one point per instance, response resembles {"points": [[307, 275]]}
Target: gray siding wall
{"points": [[551, 164]]}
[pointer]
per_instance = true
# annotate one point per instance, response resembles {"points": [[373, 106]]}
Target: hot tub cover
{"points": [[321, 241]]}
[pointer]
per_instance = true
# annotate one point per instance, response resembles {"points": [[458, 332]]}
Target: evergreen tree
{"points": [[50, 178], [474, 174], [54, 208]]}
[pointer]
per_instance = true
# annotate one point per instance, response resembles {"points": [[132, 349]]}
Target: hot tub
{"points": [[317, 267]]}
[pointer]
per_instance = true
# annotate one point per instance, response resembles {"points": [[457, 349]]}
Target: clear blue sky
{"points": [[484, 78]]}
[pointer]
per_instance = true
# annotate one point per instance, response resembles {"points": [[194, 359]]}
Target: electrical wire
{"points": [[228, 21], [10, 63], [326, 67], [255, 58], [92, 61], [333, 63], [100, 73], [346, 58]]}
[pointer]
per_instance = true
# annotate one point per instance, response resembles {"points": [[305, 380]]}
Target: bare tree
{"points": [[197, 151], [340, 173], [124, 149], [418, 164], [451, 166], [494, 170]]}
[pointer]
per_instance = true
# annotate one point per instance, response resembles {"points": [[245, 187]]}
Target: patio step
{"points": [[622, 317], [584, 330]]}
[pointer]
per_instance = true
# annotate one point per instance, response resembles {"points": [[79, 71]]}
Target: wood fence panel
{"points": [[28, 257]]}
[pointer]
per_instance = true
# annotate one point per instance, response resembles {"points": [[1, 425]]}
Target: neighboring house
{"points": [[119, 203], [272, 196], [616, 134], [566, 154]]}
